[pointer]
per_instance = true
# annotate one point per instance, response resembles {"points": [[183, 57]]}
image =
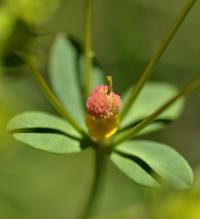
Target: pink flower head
{"points": [[103, 105]]}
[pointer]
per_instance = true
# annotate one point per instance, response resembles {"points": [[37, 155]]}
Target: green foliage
{"points": [[18, 21], [7, 22], [42, 120], [147, 163], [133, 170], [50, 142], [97, 73], [143, 160], [66, 74], [34, 11], [153, 95], [64, 78], [44, 131]]}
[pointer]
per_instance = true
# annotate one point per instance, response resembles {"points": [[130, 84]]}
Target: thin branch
{"points": [[88, 53], [51, 96], [156, 57], [99, 170], [189, 87]]}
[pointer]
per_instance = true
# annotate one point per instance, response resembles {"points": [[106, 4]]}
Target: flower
{"points": [[103, 104]]}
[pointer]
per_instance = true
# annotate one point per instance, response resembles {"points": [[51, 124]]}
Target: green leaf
{"points": [[98, 77], [159, 161], [45, 131], [133, 170], [97, 73], [64, 76], [151, 98], [36, 119], [50, 142]]}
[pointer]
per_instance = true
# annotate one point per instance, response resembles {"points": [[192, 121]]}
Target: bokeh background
{"points": [[36, 184]]}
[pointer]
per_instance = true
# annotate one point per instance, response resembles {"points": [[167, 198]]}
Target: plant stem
{"points": [[189, 87], [156, 57], [52, 97], [88, 53], [99, 170]]}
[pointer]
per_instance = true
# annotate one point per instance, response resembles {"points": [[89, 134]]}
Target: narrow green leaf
{"points": [[152, 97], [97, 76], [45, 132], [42, 120], [64, 76], [133, 170], [97, 73], [50, 142], [163, 160]]}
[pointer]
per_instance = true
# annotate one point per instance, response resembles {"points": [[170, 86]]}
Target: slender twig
{"points": [[156, 57], [189, 87], [99, 170], [88, 53], [51, 96]]}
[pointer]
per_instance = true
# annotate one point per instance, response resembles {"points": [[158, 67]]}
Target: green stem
{"points": [[52, 97], [99, 170], [88, 53], [156, 57], [189, 87]]}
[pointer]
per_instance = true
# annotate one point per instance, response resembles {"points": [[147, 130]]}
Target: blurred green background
{"points": [[36, 184]]}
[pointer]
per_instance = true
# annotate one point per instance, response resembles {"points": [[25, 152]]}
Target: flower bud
{"points": [[103, 104]]}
